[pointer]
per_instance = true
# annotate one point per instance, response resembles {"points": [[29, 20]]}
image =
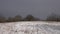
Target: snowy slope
{"points": [[37, 27]]}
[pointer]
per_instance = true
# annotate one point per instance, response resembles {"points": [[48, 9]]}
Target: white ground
{"points": [[37, 27]]}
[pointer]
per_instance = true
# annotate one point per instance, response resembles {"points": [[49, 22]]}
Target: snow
{"points": [[37, 27]]}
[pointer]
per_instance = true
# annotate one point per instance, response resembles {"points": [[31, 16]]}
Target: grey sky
{"points": [[38, 8]]}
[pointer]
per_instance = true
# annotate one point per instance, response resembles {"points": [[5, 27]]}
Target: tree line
{"points": [[52, 17], [19, 18]]}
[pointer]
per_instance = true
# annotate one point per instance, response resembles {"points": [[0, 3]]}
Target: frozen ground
{"points": [[37, 27]]}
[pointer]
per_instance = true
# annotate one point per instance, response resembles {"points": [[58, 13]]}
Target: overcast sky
{"points": [[38, 8]]}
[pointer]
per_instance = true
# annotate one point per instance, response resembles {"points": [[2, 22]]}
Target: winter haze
{"points": [[38, 8]]}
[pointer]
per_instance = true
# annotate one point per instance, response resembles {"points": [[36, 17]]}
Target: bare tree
{"points": [[53, 17], [17, 18], [14, 19], [30, 18], [10, 19], [2, 19]]}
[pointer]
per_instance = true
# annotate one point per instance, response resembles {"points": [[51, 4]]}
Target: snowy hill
{"points": [[37, 27]]}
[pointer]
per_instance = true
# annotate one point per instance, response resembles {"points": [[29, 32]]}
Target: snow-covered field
{"points": [[37, 27]]}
